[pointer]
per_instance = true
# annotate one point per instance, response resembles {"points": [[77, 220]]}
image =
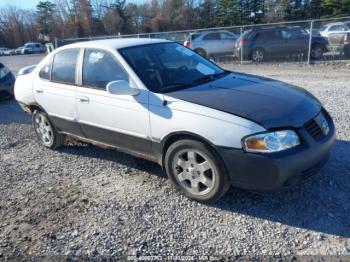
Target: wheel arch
{"points": [[171, 138], [32, 107]]}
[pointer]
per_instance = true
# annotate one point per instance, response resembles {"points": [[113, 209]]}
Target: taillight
{"points": [[187, 43], [242, 42]]}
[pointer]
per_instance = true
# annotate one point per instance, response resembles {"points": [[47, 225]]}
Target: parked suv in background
{"points": [[212, 43], [33, 48], [260, 43]]}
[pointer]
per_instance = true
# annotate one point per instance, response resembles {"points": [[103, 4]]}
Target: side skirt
{"points": [[123, 150]]}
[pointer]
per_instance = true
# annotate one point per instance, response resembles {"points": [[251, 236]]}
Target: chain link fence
{"points": [[308, 41]]}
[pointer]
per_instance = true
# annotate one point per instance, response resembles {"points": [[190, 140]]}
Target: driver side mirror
{"points": [[121, 87]]}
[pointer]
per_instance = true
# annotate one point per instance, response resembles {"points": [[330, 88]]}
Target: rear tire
{"points": [[45, 130], [316, 52], [201, 52], [347, 51], [196, 171], [258, 55]]}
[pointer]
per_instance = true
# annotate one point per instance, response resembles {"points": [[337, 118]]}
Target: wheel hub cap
{"points": [[194, 172]]}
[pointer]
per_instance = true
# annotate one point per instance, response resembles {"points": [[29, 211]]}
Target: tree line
{"points": [[82, 18]]}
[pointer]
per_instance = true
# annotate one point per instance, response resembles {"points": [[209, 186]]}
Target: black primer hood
{"points": [[268, 102]]}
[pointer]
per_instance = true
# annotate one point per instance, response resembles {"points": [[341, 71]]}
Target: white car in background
{"points": [[2, 50], [332, 28], [212, 43], [33, 48], [207, 127]]}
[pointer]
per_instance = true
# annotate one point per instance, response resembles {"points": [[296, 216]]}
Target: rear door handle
{"points": [[84, 99], [39, 90]]}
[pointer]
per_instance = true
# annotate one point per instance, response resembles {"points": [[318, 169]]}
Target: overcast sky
{"points": [[33, 3]]}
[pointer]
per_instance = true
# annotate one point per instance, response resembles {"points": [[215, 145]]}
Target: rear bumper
{"points": [[269, 172]]}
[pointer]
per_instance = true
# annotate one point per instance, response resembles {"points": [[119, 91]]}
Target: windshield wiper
{"points": [[176, 85], [180, 85], [212, 77]]}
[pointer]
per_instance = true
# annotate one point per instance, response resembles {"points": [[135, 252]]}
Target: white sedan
{"points": [[208, 128]]}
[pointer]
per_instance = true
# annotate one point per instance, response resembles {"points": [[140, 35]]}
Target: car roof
{"points": [[211, 31], [336, 23], [116, 43]]}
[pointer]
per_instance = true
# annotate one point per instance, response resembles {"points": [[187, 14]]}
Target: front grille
{"points": [[314, 170], [314, 129]]}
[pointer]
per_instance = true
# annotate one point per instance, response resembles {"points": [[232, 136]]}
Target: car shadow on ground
{"points": [[321, 204], [10, 112], [83, 149]]}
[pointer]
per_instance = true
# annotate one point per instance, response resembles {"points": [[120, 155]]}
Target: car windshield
{"points": [[166, 67], [323, 28]]}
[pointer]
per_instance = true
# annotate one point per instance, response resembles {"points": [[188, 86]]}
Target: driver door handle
{"points": [[39, 90], [84, 99]]}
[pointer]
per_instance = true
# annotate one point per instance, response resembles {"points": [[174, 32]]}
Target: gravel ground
{"points": [[86, 201]]}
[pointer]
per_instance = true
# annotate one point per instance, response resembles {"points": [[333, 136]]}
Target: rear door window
{"points": [[64, 66], [212, 36], [269, 35], [337, 28], [226, 36]]}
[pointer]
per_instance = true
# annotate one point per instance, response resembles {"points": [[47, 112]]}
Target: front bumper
{"points": [[6, 85], [269, 172]]}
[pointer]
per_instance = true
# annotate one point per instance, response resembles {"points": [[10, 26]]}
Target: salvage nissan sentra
{"points": [[208, 128]]}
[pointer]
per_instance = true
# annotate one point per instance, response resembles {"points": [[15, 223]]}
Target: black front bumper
{"points": [[268, 172], [6, 85]]}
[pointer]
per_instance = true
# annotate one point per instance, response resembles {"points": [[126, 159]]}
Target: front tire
{"points": [[347, 51], [45, 131], [201, 52], [196, 171]]}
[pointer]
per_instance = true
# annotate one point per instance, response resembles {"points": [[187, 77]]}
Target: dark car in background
{"points": [[7, 81], [33, 48], [259, 44]]}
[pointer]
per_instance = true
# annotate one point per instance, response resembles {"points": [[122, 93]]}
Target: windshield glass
{"points": [[166, 67], [322, 28]]}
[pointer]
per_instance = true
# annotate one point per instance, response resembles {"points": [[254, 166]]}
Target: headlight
{"points": [[271, 142]]}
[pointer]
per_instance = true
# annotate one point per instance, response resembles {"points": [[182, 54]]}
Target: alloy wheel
{"points": [[258, 55], [43, 129], [316, 52], [194, 172]]}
